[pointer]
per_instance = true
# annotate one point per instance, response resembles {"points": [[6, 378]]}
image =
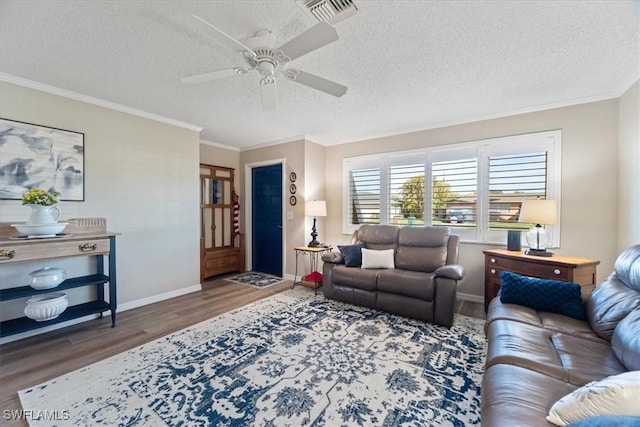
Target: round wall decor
{"points": [[293, 200], [293, 189], [293, 177]]}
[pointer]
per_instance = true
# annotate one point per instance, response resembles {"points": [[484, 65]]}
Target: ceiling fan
{"points": [[260, 54]]}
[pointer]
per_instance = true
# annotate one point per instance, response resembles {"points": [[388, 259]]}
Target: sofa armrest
{"points": [[333, 258], [450, 271]]}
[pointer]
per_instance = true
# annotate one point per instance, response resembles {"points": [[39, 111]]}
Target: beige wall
{"points": [[629, 169], [589, 178], [142, 175]]}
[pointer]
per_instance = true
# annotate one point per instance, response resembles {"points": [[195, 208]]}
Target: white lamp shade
{"points": [[538, 212], [315, 208]]}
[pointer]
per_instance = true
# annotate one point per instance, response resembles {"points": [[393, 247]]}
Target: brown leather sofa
{"points": [[423, 283], [534, 358]]}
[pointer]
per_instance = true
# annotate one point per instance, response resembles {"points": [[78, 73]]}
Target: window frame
{"points": [[549, 141]]}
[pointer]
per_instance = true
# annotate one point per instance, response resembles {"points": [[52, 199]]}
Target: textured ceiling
{"points": [[409, 65]]}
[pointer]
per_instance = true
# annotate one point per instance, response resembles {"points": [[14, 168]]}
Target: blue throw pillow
{"points": [[352, 254], [542, 294], [607, 421]]}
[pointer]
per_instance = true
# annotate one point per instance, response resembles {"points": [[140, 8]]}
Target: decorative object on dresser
{"points": [[538, 212], [315, 208], [46, 307], [43, 221], [221, 243], [48, 277], [85, 237], [564, 268], [49, 156]]}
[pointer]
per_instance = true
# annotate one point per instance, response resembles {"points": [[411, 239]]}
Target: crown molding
{"points": [[8, 78], [277, 142], [218, 145]]}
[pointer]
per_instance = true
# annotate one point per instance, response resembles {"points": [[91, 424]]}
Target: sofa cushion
{"points": [[408, 283], [609, 303], [373, 258], [627, 267], [614, 395], [626, 341], [564, 357], [377, 236], [422, 248], [543, 319], [542, 294], [352, 254], [516, 396], [355, 277]]}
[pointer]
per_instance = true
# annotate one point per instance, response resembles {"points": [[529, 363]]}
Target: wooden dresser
{"points": [[557, 267]]}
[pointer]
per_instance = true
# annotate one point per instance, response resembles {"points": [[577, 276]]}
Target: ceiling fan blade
{"points": [[213, 75], [225, 38], [314, 38], [319, 83], [269, 93]]}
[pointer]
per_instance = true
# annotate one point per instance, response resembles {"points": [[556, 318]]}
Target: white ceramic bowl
{"points": [[48, 277], [40, 230], [46, 307]]}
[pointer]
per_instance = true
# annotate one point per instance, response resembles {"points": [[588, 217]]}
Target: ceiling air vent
{"points": [[330, 11]]}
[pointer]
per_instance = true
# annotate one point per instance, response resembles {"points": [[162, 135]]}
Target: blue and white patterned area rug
{"points": [[256, 280], [289, 360]]}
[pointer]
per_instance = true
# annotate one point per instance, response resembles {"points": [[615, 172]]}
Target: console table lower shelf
{"points": [[23, 324]]}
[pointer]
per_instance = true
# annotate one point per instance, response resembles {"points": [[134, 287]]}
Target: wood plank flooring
{"points": [[33, 360]]}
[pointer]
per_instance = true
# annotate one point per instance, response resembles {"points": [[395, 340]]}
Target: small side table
{"points": [[313, 253]]}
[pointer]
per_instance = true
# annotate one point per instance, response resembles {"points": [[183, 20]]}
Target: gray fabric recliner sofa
{"points": [[423, 283], [535, 357]]}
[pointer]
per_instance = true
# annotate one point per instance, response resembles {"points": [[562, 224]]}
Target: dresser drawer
{"points": [[526, 268], [51, 249]]}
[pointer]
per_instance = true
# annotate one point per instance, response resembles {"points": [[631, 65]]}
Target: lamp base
{"points": [[538, 252], [314, 244]]}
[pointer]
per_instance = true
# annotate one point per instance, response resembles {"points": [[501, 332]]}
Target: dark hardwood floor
{"points": [[36, 359]]}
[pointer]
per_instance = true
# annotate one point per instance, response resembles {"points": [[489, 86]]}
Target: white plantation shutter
{"points": [[476, 188]]}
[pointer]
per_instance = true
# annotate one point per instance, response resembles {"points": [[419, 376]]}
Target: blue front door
{"points": [[266, 214]]}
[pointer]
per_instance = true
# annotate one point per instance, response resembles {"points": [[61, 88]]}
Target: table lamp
{"points": [[538, 212], [315, 208]]}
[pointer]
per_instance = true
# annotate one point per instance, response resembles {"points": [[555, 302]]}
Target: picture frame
{"points": [[37, 156]]}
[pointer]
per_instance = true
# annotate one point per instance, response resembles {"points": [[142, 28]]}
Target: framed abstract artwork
{"points": [[34, 156]]}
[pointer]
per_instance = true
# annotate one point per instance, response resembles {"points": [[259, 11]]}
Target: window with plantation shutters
{"points": [[512, 179], [364, 196], [474, 188], [455, 193], [406, 194]]}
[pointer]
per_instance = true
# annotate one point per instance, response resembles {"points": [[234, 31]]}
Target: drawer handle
{"points": [[7, 254], [493, 271], [493, 260], [87, 247], [556, 271]]}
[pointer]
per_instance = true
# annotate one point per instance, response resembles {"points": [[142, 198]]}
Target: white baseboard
{"points": [[470, 297], [122, 307], [157, 298]]}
